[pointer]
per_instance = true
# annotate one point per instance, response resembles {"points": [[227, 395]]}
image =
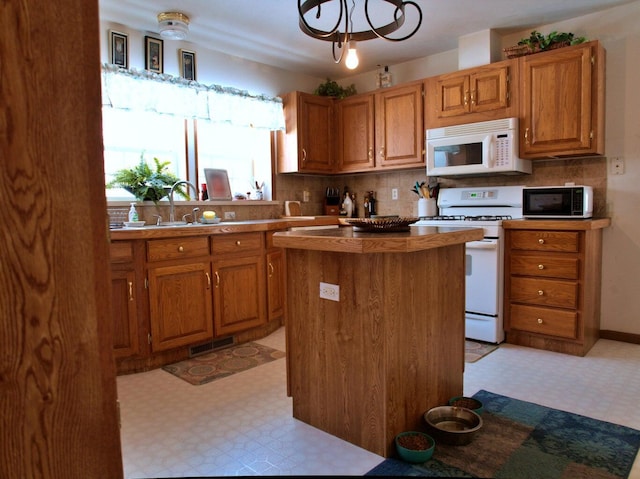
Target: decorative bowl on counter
{"points": [[414, 446], [381, 224], [470, 403], [453, 425]]}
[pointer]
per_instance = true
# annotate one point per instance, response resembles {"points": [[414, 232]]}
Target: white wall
{"points": [[617, 29]]}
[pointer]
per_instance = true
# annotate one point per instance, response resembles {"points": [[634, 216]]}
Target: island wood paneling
{"points": [[368, 367]]}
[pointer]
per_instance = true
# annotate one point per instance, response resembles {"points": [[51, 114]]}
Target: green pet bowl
{"points": [[414, 446], [470, 403]]}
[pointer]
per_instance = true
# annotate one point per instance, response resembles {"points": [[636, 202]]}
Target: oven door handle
{"points": [[483, 244]]}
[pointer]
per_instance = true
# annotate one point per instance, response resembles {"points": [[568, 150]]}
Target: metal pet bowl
{"points": [[468, 402], [452, 425]]}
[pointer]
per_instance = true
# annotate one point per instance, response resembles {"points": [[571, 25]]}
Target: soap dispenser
{"points": [[133, 213]]}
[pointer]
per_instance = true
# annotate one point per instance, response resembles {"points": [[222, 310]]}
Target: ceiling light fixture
{"points": [[173, 25], [348, 36]]}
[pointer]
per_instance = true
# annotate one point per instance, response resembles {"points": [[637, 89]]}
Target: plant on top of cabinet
{"points": [[537, 42], [331, 88]]}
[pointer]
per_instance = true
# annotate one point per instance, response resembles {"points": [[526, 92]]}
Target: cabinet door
{"points": [[316, 124], [124, 310], [489, 89], [558, 103], [452, 95], [239, 298], [400, 127], [180, 305], [356, 133], [275, 284]]}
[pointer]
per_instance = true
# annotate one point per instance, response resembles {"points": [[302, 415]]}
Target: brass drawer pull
{"points": [[540, 266], [539, 320], [217, 279], [271, 269], [181, 249], [540, 292], [541, 241], [208, 280], [238, 243], [130, 290]]}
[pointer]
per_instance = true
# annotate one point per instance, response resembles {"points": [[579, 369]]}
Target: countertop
{"points": [[559, 224], [224, 227], [347, 240]]}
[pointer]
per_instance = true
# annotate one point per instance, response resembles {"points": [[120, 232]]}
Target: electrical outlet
{"points": [[305, 196], [394, 193], [229, 215], [330, 291], [617, 166]]}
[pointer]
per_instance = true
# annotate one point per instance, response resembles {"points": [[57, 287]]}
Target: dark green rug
{"points": [[521, 440]]}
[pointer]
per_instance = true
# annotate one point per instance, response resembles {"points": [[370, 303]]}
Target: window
{"points": [[244, 152], [128, 135]]}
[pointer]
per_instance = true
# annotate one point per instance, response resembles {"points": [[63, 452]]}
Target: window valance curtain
{"points": [[138, 90]]}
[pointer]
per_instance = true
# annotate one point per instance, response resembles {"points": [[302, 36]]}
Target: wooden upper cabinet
{"points": [[307, 144], [399, 127], [563, 102], [381, 130], [356, 133], [471, 95]]}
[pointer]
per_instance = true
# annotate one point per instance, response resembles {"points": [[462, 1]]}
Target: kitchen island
{"points": [[388, 344]]}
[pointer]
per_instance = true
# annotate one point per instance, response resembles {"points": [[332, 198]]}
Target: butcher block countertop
{"points": [[349, 240], [559, 224]]}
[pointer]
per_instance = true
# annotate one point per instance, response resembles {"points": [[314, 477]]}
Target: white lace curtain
{"points": [[164, 94]]}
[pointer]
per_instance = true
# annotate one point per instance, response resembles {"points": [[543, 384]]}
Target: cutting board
{"points": [[292, 208]]}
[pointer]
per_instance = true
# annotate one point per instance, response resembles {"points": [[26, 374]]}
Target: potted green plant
{"points": [[331, 88], [147, 183]]}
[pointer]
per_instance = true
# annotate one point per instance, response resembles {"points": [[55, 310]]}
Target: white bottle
{"points": [[133, 213], [347, 204]]}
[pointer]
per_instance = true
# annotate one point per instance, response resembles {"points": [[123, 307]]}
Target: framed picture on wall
{"points": [[119, 48], [187, 64], [153, 54]]}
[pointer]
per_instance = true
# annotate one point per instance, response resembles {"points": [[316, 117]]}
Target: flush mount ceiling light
{"points": [[173, 25], [345, 17]]}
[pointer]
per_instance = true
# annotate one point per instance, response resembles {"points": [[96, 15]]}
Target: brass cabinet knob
{"points": [[181, 249], [539, 320], [540, 292], [238, 243], [540, 266], [541, 241]]}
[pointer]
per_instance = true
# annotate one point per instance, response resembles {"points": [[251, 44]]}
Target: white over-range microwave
{"points": [[483, 148]]}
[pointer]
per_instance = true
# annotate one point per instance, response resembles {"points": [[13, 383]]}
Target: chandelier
{"points": [[345, 19]]}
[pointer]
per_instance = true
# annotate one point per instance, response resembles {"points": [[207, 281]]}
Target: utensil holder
{"points": [[427, 207]]}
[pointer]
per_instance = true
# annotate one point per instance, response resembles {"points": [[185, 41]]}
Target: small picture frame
{"points": [[187, 64], [119, 48], [154, 54], [218, 185]]}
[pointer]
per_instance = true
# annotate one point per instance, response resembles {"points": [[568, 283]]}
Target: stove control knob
{"points": [[541, 241], [540, 266]]}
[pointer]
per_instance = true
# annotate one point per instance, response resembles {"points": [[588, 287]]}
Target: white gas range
{"points": [[486, 208]]}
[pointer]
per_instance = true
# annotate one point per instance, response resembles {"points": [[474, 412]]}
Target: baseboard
{"points": [[618, 336]]}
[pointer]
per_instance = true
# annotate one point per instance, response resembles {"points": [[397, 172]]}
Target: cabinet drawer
{"points": [[561, 241], [121, 251], [544, 321], [237, 243], [176, 248], [544, 292], [566, 267]]}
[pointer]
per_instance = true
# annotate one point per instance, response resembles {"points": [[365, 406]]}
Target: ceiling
{"points": [[267, 31]]}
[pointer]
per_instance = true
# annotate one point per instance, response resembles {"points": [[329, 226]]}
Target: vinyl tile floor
{"points": [[242, 425]]}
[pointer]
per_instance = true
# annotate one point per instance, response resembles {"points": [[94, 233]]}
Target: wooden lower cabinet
{"points": [[180, 305], [552, 284], [124, 310]]}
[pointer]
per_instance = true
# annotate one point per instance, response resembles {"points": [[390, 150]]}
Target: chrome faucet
{"points": [[172, 205]]}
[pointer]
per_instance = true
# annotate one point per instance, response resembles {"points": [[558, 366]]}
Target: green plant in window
{"points": [[145, 182]]}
